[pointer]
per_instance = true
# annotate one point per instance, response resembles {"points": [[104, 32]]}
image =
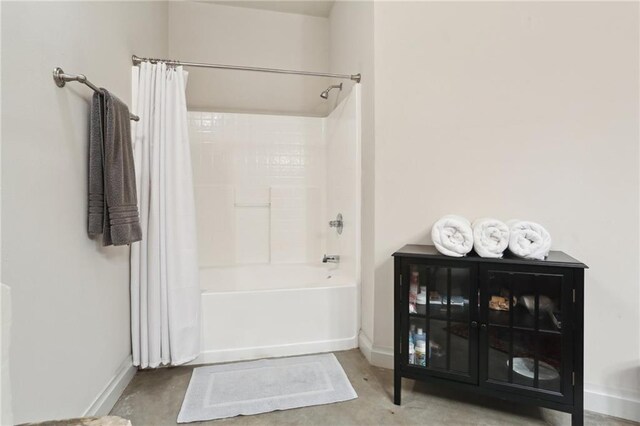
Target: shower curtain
{"points": [[165, 292]]}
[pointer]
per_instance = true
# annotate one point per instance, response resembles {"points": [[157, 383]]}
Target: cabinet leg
{"points": [[577, 418], [397, 387]]}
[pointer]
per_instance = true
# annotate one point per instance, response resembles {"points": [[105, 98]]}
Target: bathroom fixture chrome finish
{"points": [[60, 78], [325, 94], [355, 77], [338, 224], [331, 258]]}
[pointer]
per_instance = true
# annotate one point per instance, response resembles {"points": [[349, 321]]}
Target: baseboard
{"points": [[365, 345], [243, 354], [376, 355], [620, 403], [105, 401], [382, 357]]}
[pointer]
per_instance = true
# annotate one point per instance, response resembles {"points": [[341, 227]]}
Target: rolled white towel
{"points": [[452, 235], [528, 239], [490, 237]]}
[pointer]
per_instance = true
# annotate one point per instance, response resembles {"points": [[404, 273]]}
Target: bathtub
{"points": [[262, 311]]}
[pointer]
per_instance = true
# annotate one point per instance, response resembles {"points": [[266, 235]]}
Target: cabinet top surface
{"points": [[555, 258]]}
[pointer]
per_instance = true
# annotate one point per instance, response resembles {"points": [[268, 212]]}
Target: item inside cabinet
{"points": [[546, 307], [413, 290], [499, 303]]}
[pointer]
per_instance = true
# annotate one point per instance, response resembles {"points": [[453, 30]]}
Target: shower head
{"points": [[325, 94]]}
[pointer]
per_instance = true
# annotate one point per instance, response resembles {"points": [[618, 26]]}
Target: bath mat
{"points": [[253, 387]]}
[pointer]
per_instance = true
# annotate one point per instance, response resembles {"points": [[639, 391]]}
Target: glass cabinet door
{"points": [[525, 331], [439, 316]]}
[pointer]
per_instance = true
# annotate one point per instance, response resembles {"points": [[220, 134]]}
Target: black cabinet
{"points": [[510, 328]]}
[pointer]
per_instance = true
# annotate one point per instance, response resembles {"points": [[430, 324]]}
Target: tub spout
{"points": [[331, 258]]}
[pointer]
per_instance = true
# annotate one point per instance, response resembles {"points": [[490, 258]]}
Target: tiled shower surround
{"points": [[266, 187], [260, 188]]}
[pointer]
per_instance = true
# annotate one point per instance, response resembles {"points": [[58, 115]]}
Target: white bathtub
{"points": [[261, 311]]}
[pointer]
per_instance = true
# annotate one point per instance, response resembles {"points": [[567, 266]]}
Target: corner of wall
{"points": [[365, 345], [376, 355], [167, 29], [107, 398]]}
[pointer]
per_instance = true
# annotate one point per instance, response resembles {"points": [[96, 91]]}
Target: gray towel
{"points": [[96, 181], [113, 202]]}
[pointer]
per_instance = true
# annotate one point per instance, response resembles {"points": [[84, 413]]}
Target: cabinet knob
{"points": [[483, 326], [474, 324]]}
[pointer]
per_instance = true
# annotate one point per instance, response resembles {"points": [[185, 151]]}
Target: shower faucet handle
{"points": [[338, 223]]}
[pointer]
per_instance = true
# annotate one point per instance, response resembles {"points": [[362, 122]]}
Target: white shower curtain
{"points": [[165, 292]]}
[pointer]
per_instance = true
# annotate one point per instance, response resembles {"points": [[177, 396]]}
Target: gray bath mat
{"points": [[254, 387]]}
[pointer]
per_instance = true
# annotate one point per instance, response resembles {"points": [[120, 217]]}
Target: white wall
{"points": [[518, 109], [70, 296], [213, 33], [351, 51], [260, 188]]}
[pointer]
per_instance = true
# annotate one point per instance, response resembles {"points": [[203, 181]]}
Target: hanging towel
{"points": [[528, 239], [96, 180], [490, 237], [452, 236], [113, 204]]}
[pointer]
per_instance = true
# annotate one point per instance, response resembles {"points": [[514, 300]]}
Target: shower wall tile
{"points": [[342, 188], [252, 235], [252, 153], [295, 225], [215, 216], [252, 196]]}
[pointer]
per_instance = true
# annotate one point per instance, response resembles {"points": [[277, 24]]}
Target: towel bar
{"points": [[60, 78]]}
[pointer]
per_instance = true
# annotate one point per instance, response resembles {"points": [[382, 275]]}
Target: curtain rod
{"points": [[355, 77], [61, 79]]}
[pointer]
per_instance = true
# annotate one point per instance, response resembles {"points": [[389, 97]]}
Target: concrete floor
{"points": [[153, 398]]}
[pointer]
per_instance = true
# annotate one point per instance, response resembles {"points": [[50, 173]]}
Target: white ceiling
{"points": [[309, 7]]}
